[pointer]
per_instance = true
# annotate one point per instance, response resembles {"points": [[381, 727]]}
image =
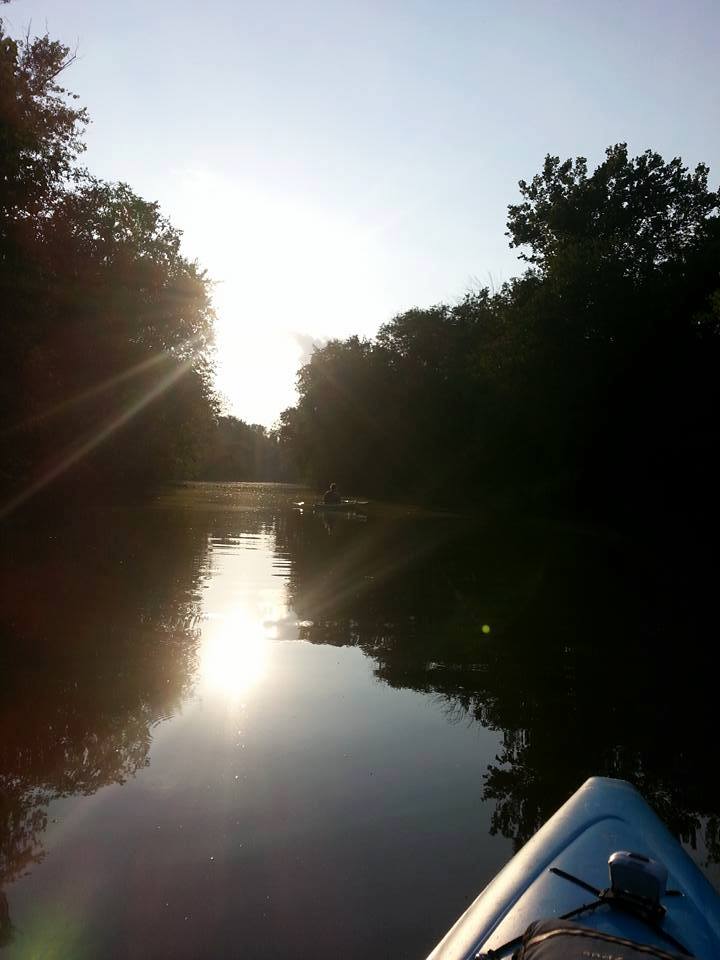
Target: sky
{"points": [[332, 163]]}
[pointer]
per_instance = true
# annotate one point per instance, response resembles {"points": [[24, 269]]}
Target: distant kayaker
{"points": [[331, 495]]}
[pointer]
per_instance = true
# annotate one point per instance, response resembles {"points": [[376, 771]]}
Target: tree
{"points": [[623, 263], [589, 382], [635, 214], [108, 328], [243, 451], [40, 126]]}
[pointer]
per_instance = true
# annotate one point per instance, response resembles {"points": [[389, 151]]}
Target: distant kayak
{"points": [[650, 893], [354, 509], [344, 506]]}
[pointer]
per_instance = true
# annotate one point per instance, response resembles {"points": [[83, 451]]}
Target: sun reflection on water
{"points": [[235, 653]]}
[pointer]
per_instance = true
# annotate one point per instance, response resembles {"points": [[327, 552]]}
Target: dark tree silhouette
{"points": [[634, 214], [107, 331], [589, 383], [244, 451]]}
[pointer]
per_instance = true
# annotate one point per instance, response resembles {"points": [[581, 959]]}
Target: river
{"points": [[232, 728]]}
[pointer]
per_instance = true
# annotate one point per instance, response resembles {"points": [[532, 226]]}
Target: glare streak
{"points": [[84, 449], [95, 391]]}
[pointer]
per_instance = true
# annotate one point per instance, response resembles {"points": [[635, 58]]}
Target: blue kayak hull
{"points": [[603, 816]]}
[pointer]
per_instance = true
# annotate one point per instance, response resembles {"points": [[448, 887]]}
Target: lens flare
{"points": [[69, 459]]}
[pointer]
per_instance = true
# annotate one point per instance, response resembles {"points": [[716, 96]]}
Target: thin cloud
{"points": [[307, 343]]}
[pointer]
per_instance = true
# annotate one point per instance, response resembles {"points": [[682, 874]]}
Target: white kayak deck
{"points": [[603, 816]]}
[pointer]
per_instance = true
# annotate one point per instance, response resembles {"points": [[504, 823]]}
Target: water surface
{"points": [[231, 728]]}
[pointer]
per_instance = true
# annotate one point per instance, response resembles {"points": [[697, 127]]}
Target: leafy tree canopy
{"points": [[108, 328], [40, 124], [589, 381], [634, 213]]}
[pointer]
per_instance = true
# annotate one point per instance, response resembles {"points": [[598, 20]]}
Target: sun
{"points": [[282, 264], [255, 375]]}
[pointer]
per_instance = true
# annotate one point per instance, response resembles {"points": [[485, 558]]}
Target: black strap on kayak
{"points": [[591, 889], [604, 898], [653, 917], [576, 880]]}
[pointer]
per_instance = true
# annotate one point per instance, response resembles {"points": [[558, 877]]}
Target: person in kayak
{"points": [[331, 495]]}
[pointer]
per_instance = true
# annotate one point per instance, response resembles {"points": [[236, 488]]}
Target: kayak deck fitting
{"points": [[657, 895]]}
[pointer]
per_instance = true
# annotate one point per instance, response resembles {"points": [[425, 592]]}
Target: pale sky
{"points": [[333, 162]]}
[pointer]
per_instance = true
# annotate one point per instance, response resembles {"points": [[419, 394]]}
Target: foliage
{"points": [[590, 381], [243, 451], [107, 327], [40, 127], [635, 214]]}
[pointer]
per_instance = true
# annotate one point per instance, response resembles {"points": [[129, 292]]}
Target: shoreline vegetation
{"points": [[587, 387]]}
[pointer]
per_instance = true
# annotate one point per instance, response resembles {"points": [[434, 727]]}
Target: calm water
{"points": [[231, 729]]}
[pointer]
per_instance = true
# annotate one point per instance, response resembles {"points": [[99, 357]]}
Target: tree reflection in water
{"points": [[595, 657], [570, 646], [98, 640]]}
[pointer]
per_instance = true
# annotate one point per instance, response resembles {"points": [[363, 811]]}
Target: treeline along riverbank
{"points": [[587, 385], [106, 382]]}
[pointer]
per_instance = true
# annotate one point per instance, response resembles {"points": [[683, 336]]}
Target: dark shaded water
{"points": [[228, 728]]}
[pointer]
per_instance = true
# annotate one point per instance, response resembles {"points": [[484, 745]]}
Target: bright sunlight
{"points": [[283, 267], [234, 654]]}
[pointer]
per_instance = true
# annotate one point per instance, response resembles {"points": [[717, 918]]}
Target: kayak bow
{"points": [[563, 870]]}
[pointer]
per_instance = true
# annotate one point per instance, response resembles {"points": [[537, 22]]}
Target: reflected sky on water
{"points": [[230, 728]]}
